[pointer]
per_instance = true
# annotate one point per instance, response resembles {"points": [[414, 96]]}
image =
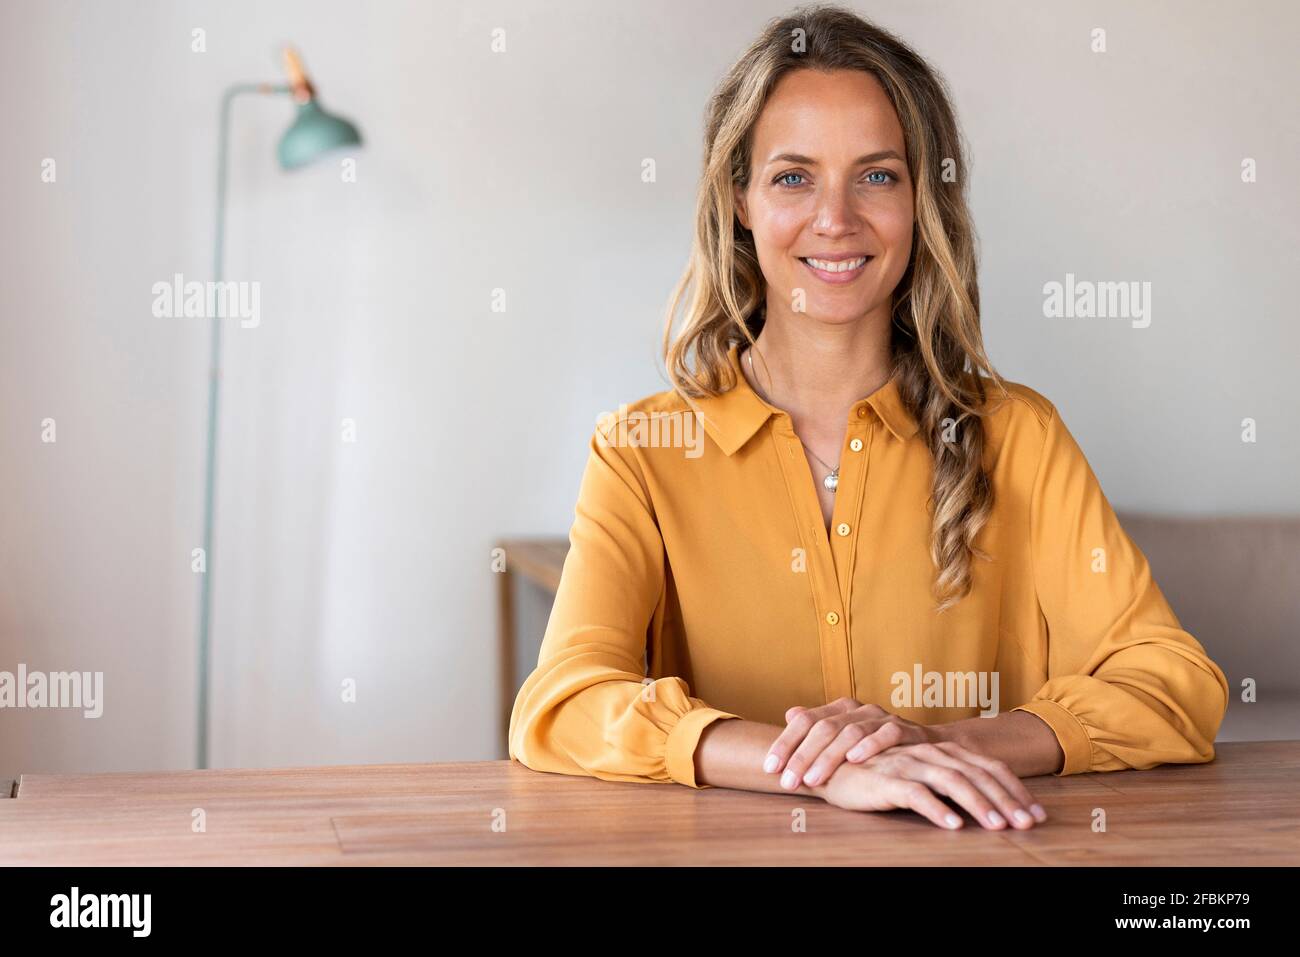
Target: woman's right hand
{"points": [[913, 777]]}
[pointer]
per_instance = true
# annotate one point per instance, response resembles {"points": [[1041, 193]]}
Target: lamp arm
{"points": [[209, 478]]}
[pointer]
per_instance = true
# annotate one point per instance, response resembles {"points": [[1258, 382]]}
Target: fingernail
{"points": [[788, 780], [1037, 811], [952, 820], [811, 778], [770, 764], [1022, 817], [854, 754], [996, 819]]}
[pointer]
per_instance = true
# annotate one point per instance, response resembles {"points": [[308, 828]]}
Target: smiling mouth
{"points": [[841, 270]]}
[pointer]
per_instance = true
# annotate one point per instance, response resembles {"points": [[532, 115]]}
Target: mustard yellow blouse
{"points": [[701, 584]]}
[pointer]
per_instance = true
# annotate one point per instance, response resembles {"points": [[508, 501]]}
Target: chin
{"points": [[839, 314]]}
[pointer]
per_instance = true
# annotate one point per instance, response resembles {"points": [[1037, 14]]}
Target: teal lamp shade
{"points": [[314, 133]]}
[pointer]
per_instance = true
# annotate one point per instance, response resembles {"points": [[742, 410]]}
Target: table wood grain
{"points": [[1242, 809]]}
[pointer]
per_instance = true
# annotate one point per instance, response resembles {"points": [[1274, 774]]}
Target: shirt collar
{"points": [[733, 417]]}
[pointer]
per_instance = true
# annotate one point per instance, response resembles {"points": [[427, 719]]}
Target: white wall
{"points": [[522, 171]]}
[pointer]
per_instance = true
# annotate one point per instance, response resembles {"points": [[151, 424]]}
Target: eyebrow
{"points": [[809, 161]]}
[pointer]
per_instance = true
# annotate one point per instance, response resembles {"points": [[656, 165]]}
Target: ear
{"points": [[742, 211]]}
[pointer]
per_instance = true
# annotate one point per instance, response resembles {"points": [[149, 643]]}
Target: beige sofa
{"points": [[1234, 583]]}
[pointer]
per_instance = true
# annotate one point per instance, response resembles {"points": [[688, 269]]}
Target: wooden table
{"points": [[1242, 809]]}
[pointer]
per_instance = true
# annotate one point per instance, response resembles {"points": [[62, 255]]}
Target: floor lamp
{"points": [[313, 134]]}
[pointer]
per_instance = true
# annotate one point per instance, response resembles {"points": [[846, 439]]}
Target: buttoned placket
{"points": [[833, 556]]}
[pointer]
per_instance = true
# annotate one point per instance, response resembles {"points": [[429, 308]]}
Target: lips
{"points": [[837, 269]]}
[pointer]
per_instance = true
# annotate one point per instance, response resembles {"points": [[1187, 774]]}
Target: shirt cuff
{"points": [[679, 755], [1070, 733]]}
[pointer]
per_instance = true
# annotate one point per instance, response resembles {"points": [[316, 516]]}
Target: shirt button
{"points": [[856, 445], [862, 412], [832, 618], [842, 528]]}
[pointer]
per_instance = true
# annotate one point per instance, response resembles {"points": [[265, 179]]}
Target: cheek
{"points": [[893, 224], [894, 230], [775, 235], [776, 230]]}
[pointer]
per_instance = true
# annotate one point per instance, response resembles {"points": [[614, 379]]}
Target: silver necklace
{"points": [[832, 481]]}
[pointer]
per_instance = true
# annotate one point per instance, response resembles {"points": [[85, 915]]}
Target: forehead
{"points": [[826, 114]]}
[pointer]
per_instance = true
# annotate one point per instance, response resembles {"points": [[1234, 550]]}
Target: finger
{"points": [[919, 798], [818, 738], [1001, 771], [1012, 808], [952, 783], [832, 755], [838, 706], [794, 732], [798, 722], [886, 735]]}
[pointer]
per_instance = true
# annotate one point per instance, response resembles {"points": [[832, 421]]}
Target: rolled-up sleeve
{"points": [[1126, 686], [588, 707]]}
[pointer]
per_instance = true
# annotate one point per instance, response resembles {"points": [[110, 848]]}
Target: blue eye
{"points": [[886, 177]]}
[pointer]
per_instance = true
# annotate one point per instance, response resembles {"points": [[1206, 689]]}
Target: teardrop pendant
{"points": [[832, 481]]}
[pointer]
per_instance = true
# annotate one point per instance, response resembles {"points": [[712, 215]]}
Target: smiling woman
{"points": [[872, 499], [791, 197]]}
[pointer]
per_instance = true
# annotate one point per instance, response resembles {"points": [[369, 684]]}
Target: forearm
{"points": [[1022, 740], [730, 754]]}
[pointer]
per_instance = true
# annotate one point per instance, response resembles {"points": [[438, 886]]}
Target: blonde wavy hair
{"points": [[937, 348]]}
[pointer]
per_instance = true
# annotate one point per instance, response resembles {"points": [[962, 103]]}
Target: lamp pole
{"points": [[314, 133], [214, 392]]}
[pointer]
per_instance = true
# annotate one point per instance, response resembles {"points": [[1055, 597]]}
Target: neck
{"points": [[817, 370]]}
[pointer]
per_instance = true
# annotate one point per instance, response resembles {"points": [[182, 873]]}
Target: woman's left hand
{"points": [[817, 740]]}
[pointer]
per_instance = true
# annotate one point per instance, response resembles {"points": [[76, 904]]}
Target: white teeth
{"points": [[844, 265]]}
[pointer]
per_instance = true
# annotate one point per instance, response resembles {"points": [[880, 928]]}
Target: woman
{"points": [[885, 576]]}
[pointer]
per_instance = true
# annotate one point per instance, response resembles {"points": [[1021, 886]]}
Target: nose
{"points": [[836, 214]]}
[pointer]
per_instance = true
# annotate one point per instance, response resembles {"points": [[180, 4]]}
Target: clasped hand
{"points": [[895, 763]]}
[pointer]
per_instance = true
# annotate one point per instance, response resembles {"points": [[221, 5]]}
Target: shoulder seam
{"points": [[1039, 416]]}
